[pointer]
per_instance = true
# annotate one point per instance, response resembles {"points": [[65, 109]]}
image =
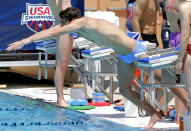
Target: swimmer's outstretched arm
{"points": [[72, 27]]}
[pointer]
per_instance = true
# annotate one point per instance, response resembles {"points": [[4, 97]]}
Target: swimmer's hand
{"points": [[17, 45]]}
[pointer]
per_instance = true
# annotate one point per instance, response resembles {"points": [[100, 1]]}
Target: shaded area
{"points": [[11, 78]]}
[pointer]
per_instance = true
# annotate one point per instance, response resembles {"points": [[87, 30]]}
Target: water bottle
{"points": [[166, 35], [181, 121]]}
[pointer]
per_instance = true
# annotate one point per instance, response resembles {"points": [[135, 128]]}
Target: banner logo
{"points": [[38, 17]]}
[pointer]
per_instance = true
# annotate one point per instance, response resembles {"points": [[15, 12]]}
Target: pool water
{"points": [[23, 114]]}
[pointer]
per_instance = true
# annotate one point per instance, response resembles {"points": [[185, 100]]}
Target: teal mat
{"points": [[81, 107]]}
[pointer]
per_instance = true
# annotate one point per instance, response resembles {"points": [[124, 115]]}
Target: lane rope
{"points": [[14, 124]]}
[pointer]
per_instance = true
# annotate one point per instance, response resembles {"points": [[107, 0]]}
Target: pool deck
{"points": [[46, 92]]}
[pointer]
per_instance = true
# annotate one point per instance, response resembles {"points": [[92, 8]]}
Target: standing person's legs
{"points": [[63, 50], [126, 73], [180, 109], [187, 78], [181, 94], [56, 6], [179, 105], [153, 39]]}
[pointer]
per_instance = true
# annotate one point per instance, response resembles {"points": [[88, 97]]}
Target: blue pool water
{"points": [[22, 114]]}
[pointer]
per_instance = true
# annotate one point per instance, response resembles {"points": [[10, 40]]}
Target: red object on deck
{"points": [[138, 73], [100, 104]]}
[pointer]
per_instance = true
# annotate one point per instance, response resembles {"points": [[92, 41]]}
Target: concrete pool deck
{"points": [[45, 91]]}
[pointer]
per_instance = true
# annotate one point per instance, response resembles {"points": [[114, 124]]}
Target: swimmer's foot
{"points": [[154, 119], [121, 103], [62, 103]]}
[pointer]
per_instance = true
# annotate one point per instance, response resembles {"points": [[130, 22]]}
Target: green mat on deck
{"points": [[81, 107]]}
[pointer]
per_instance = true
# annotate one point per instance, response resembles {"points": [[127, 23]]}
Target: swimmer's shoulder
{"points": [[184, 6], [185, 10]]}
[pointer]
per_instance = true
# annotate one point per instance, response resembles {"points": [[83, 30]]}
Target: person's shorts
{"points": [[150, 38], [174, 39], [130, 58], [74, 35], [188, 49]]}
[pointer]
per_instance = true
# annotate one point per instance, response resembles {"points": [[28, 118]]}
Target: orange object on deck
{"points": [[138, 73]]}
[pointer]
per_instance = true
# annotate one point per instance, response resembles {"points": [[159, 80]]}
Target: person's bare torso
{"points": [[190, 23], [148, 18], [106, 34], [172, 15], [187, 10], [56, 6]]}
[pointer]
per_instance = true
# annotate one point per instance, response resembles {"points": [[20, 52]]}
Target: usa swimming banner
{"points": [[22, 18]]}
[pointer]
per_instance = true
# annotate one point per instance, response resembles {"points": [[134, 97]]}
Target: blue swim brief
{"points": [[73, 35], [130, 58]]}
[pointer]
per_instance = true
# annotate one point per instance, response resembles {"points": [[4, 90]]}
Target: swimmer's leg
{"points": [[187, 79], [126, 74]]}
